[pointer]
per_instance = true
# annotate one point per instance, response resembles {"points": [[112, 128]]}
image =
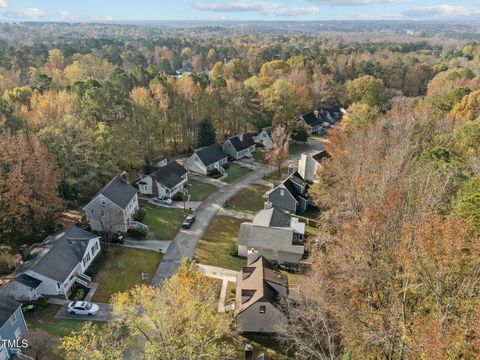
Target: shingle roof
{"points": [[58, 255], [247, 140], [288, 183], [321, 155], [272, 217], [273, 238], [211, 154], [268, 130], [118, 191], [29, 281], [237, 143], [311, 119], [8, 307], [170, 175], [252, 280]]}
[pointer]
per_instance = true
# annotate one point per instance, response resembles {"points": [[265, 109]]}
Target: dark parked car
{"points": [[117, 239], [188, 222]]}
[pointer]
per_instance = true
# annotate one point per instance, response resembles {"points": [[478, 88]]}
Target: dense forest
{"points": [[398, 248]]}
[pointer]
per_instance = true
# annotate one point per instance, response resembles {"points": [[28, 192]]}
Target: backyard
{"points": [[217, 243], [120, 268], [249, 200], [164, 222], [235, 171], [199, 191]]}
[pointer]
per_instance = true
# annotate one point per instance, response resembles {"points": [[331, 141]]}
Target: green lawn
{"points": [[298, 147], [249, 200], [164, 222], [235, 171], [45, 319], [199, 191], [274, 178], [120, 268], [259, 156], [219, 239]]}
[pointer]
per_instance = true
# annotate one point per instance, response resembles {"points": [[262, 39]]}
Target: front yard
{"points": [[235, 171], [249, 200], [45, 319], [199, 191], [274, 177], [120, 268], [217, 243], [164, 222]]}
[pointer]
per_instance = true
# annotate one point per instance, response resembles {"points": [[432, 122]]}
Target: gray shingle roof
{"points": [[321, 155], [170, 175], [268, 130], [118, 191], [272, 217], [211, 154], [247, 140], [7, 308], [311, 119], [58, 255], [274, 238], [29, 281], [237, 143]]}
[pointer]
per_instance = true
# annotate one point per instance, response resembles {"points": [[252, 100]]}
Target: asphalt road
{"points": [[186, 241]]}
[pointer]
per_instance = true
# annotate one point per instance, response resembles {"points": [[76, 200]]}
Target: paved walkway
{"points": [[235, 214], [207, 179], [186, 241], [178, 204], [154, 245], [225, 275]]}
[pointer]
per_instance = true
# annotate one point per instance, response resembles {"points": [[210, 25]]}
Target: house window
{"points": [[13, 319], [103, 202], [18, 333], [282, 192], [263, 309]]}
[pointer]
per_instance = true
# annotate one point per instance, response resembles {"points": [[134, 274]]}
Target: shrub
{"points": [[226, 166], [215, 173], [138, 233], [140, 215], [177, 197], [234, 250]]}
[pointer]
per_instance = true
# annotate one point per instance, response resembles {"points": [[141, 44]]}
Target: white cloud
{"points": [[264, 7], [444, 10], [3, 4], [355, 2], [296, 11]]}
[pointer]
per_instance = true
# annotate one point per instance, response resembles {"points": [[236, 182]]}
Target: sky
{"points": [[125, 10]]}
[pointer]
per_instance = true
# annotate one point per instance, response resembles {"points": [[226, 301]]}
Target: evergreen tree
{"points": [[206, 133]]}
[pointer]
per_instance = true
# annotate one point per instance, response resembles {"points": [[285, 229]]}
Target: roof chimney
{"points": [[252, 255], [124, 176], [248, 352], [267, 205]]}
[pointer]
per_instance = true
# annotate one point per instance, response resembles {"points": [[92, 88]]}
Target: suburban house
{"points": [[260, 289], [309, 164], [206, 159], [291, 194], [164, 180], [313, 121], [239, 146], [12, 327], [56, 264], [112, 209], [273, 234], [265, 137]]}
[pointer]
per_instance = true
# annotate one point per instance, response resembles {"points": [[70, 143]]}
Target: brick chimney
{"points": [[248, 352]]}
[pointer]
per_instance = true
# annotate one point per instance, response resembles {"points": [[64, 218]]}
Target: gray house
{"points": [[313, 121], [112, 209], [207, 159], [260, 289], [265, 137], [291, 194], [239, 146], [273, 234], [12, 327], [165, 180]]}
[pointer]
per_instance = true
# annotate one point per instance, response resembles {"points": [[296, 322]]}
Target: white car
{"points": [[163, 200], [83, 308]]}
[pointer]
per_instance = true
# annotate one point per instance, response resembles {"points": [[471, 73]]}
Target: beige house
{"points": [[310, 164], [260, 289]]}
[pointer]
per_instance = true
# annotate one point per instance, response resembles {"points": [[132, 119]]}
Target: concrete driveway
{"points": [[154, 245], [186, 241], [104, 314]]}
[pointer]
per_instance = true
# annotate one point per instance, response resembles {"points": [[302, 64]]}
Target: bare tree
{"points": [[279, 150]]}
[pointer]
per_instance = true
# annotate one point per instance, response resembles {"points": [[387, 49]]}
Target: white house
{"points": [[259, 292], [166, 180], [239, 146], [207, 159], [56, 264], [112, 209], [265, 137], [310, 164], [273, 234]]}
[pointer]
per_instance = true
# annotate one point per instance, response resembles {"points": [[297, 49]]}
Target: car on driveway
{"points": [[188, 222], [83, 308], [163, 200]]}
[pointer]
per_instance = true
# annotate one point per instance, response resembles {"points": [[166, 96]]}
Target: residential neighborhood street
{"points": [[186, 241]]}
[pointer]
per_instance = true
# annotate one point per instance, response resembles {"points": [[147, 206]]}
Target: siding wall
{"points": [[11, 329], [286, 202]]}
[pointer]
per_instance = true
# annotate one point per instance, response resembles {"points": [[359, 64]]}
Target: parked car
{"points": [[188, 222], [117, 239], [163, 200], [83, 308]]}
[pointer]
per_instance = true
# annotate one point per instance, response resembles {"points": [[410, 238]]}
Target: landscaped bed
{"points": [[199, 191], [235, 171], [120, 268], [217, 243], [249, 200], [164, 222]]}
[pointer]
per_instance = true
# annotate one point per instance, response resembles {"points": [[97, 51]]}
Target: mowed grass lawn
{"points": [[120, 268], [45, 319], [274, 177], [217, 242], [164, 222], [199, 191], [235, 171], [249, 200]]}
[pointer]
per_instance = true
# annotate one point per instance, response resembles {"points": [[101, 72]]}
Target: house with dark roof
{"points": [[22, 288], [207, 159], [291, 194], [12, 327], [60, 261], [258, 298], [112, 209], [239, 146], [310, 164], [313, 121], [165, 180], [265, 137], [273, 234]]}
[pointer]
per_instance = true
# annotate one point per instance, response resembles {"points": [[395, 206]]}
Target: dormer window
{"points": [[282, 192], [263, 309], [103, 202]]}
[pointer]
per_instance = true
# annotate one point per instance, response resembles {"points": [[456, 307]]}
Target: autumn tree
{"points": [[468, 109], [280, 100], [280, 147], [367, 89]]}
